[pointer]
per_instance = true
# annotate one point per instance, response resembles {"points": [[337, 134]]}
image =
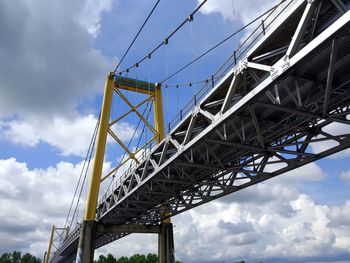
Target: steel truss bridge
{"points": [[259, 121]]}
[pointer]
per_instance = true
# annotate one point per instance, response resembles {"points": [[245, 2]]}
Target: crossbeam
{"points": [[135, 85], [130, 228], [258, 121]]}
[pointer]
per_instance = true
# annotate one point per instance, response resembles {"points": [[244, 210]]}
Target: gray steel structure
{"points": [[258, 122]]}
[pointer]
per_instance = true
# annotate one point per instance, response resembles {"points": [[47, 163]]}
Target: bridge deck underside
{"points": [[254, 125]]}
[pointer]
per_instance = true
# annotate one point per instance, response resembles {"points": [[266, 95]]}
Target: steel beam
{"points": [[130, 228], [330, 76], [264, 124], [340, 5], [302, 26]]}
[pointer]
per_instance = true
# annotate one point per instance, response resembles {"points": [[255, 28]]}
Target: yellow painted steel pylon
{"points": [[117, 83], [47, 257], [54, 230], [114, 85], [95, 178]]}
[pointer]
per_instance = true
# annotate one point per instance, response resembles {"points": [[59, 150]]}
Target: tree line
{"points": [[16, 257], [149, 258]]}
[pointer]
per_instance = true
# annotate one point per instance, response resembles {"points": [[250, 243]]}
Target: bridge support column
{"points": [[166, 243], [85, 253], [86, 247]]}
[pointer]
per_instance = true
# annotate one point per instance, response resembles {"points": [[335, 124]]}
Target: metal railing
{"points": [[232, 61], [259, 31]]}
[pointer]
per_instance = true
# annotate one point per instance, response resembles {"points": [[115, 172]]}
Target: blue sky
{"points": [[52, 69]]}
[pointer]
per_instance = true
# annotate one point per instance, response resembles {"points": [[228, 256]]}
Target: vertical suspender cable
{"points": [[233, 9], [223, 41], [164, 42], [193, 56], [177, 99], [166, 85], [146, 131]]}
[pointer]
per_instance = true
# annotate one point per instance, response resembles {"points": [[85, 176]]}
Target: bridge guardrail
{"points": [[258, 32], [233, 60]]}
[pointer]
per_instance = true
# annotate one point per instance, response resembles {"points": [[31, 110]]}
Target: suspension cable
{"points": [[85, 176], [189, 84], [93, 138], [193, 57], [138, 33], [220, 43], [164, 42]]}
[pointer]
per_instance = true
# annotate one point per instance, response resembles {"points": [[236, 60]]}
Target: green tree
{"points": [[123, 260], [151, 258], [101, 259], [28, 258], [16, 257], [111, 259], [137, 259], [6, 258]]}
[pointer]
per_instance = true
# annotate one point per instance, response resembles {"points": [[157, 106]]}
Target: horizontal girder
{"points": [[259, 121]]}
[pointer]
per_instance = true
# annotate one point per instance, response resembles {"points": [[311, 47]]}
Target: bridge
{"points": [[257, 118]]}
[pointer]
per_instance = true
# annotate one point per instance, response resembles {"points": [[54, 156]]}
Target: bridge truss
{"points": [[265, 117]]}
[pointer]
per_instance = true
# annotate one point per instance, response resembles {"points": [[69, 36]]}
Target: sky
{"points": [[54, 57]]}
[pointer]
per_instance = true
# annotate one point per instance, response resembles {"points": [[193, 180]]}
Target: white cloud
{"points": [[241, 13], [269, 221], [49, 64], [309, 173], [90, 15], [340, 215], [31, 201], [277, 221], [345, 176], [234, 10], [260, 232], [332, 129], [132, 244], [34, 200], [306, 233], [272, 219], [69, 136]]}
